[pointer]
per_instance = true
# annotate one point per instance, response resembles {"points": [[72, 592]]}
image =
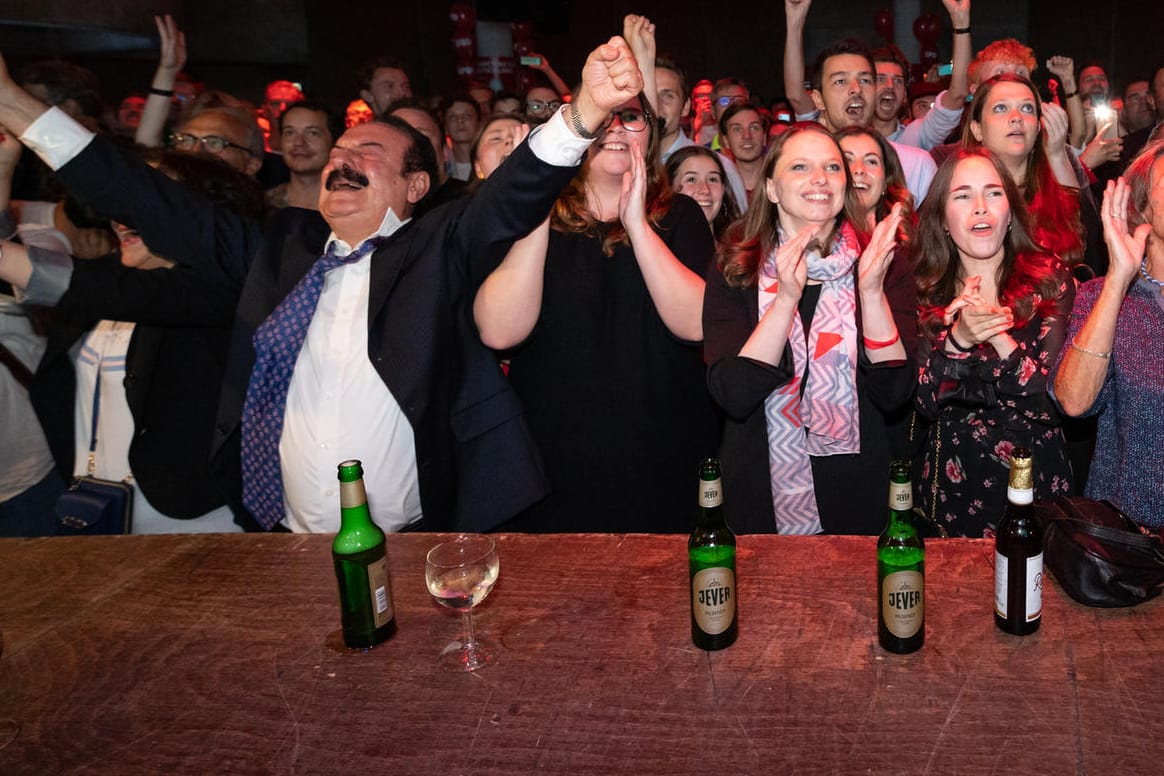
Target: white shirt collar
{"points": [[387, 227]]}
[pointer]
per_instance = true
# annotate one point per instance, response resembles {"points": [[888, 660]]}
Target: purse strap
{"points": [[1116, 536], [18, 370], [91, 467]]}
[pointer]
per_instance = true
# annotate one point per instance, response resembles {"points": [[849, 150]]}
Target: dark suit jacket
{"points": [[475, 459], [173, 374]]}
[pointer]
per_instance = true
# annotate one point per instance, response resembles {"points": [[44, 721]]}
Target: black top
{"points": [[852, 491], [617, 404]]}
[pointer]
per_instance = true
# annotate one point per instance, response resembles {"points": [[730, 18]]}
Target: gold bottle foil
{"points": [[1020, 470]]}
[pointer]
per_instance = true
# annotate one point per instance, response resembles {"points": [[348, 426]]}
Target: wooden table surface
{"points": [[209, 655]]}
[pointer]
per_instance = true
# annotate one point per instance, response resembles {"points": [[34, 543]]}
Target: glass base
{"points": [[457, 657], [9, 729]]}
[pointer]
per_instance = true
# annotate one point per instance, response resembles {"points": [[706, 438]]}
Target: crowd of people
{"points": [[538, 312]]}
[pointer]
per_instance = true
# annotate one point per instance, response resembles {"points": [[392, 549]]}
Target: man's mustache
{"points": [[345, 173]]}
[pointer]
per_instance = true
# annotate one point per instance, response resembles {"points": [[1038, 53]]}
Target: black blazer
{"points": [[174, 368], [476, 461]]}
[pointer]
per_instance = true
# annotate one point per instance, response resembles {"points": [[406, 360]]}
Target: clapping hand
{"points": [[792, 265], [878, 254], [975, 321], [632, 199], [1055, 125], [1125, 248]]}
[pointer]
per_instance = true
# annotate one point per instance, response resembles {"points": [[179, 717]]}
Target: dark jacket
{"points": [[476, 462]]}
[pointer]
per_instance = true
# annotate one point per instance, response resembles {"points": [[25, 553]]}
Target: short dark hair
{"points": [[368, 70], [415, 104], [740, 107], [64, 81], [892, 54], [665, 62], [836, 49], [335, 124], [419, 156], [463, 98], [723, 83], [503, 95]]}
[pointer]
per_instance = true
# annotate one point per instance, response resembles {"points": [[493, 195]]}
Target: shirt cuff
{"points": [[51, 274], [56, 138], [810, 116], [555, 143]]}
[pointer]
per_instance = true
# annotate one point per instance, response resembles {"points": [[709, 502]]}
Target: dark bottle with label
{"points": [[1018, 553], [711, 553], [901, 571], [361, 567]]}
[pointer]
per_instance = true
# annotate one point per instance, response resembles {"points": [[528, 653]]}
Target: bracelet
{"points": [[871, 344], [957, 345], [1069, 95], [576, 122], [1095, 353], [161, 92], [961, 30]]}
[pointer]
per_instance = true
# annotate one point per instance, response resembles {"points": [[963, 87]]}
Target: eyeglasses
{"points": [[725, 101], [211, 143], [541, 106], [632, 119]]}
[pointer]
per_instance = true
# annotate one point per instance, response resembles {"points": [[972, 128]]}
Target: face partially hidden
{"points": [[497, 142], [134, 253], [363, 178], [845, 98], [992, 67], [977, 212], [1154, 212], [306, 140], [388, 85], [1138, 112], [890, 90], [222, 125], [808, 182], [1093, 83], [866, 168], [745, 136], [673, 103], [461, 122], [1010, 122], [611, 152], [699, 178]]}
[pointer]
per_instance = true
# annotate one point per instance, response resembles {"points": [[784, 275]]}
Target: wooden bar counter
{"points": [[210, 655]]}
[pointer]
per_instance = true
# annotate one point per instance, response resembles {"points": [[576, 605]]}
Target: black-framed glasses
{"points": [[212, 143], [542, 106], [632, 119]]}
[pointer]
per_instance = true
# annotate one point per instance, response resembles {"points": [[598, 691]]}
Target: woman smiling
{"points": [[808, 326]]}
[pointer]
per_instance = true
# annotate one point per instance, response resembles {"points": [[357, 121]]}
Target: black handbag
{"points": [[1099, 555], [95, 506], [90, 505]]}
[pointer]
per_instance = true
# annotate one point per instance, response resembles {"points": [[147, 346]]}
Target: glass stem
{"points": [[470, 639]]}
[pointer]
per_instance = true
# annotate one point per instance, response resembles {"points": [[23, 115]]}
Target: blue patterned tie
{"points": [[277, 344]]}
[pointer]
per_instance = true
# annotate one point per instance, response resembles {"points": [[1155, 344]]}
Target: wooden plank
{"points": [[208, 654]]}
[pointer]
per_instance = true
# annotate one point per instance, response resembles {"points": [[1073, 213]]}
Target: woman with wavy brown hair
{"points": [[994, 307], [599, 313], [809, 323]]}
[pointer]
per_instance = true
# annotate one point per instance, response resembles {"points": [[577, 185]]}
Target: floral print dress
{"points": [[980, 407]]}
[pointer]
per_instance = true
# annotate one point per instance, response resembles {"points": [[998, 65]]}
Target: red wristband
{"points": [[878, 345]]}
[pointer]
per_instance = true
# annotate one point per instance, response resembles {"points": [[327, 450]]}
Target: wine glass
{"points": [[460, 573], [9, 728]]}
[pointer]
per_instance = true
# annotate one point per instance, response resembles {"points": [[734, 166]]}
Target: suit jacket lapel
{"points": [[387, 262]]}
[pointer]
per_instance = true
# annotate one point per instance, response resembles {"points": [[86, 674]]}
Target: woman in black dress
{"points": [[599, 313], [994, 312]]}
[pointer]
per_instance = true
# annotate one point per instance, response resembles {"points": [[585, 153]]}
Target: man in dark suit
{"points": [[437, 426]]}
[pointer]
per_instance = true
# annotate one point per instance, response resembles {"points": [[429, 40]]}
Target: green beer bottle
{"points": [[361, 567], [1018, 553], [711, 554], [901, 572]]}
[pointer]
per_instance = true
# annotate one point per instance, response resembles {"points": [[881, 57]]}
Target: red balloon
{"points": [[926, 29], [883, 23]]}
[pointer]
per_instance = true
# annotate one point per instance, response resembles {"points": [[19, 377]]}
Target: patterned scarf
{"points": [[825, 421]]}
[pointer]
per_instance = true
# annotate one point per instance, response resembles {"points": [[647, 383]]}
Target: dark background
{"points": [[239, 45]]}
